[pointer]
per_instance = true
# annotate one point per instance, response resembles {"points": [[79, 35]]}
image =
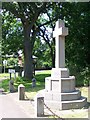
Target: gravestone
{"points": [[33, 82], [60, 92], [11, 86]]}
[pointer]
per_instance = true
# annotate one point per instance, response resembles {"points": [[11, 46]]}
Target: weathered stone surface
{"points": [[57, 96], [75, 95], [59, 33], [48, 83], [58, 73], [61, 85], [67, 84], [21, 92], [39, 106], [48, 96], [65, 105], [11, 86], [55, 85], [53, 104], [74, 104]]}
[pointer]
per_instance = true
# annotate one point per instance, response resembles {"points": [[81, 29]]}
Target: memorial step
{"points": [[62, 96], [74, 104], [71, 95], [60, 85], [65, 105]]}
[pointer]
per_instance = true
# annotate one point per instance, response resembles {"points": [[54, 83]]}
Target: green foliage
{"points": [[41, 50], [12, 33], [76, 16], [5, 84], [40, 82], [77, 43], [41, 76], [12, 61], [82, 75], [86, 76]]}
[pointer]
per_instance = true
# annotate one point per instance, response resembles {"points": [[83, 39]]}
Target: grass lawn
{"points": [[3, 75], [40, 84]]}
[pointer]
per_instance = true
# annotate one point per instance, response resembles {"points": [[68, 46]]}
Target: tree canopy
{"points": [[25, 24]]}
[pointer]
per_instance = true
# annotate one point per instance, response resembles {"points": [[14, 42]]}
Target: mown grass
{"points": [[40, 82], [3, 75]]}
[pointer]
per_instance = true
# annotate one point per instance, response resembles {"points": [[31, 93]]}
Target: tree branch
{"points": [[11, 8], [46, 39], [51, 22], [35, 16], [48, 22]]}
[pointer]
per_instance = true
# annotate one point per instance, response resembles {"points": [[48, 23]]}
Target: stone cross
{"points": [[59, 34]]}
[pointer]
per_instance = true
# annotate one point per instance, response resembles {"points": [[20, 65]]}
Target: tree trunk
{"points": [[28, 62]]}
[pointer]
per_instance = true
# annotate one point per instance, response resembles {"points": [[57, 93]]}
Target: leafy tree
{"points": [[47, 37], [77, 43], [11, 33], [34, 24], [28, 14], [42, 52]]}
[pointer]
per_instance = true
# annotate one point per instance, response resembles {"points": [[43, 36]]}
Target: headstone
{"points": [[60, 92], [11, 86], [33, 82], [39, 106], [21, 92]]}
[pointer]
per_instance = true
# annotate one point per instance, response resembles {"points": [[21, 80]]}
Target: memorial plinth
{"points": [[60, 92]]}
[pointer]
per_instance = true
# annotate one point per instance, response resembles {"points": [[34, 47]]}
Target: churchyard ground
{"points": [[40, 84]]}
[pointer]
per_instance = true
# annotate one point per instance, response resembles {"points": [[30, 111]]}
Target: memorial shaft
{"points": [[59, 34], [60, 52]]}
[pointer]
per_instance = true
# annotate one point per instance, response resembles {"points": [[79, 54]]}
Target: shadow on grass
{"points": [[40, 83], [87, 105], [41, 77], [39, 86]]}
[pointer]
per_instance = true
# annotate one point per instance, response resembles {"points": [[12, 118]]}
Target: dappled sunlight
{"points": [[84, 92], [43, 72]]}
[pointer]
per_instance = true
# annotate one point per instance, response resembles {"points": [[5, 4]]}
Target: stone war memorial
{"points": [[60, 92]]}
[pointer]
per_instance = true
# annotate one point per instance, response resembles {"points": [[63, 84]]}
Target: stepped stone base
{"points": [[60, 92], [62, 96], [60, 85], [65, 105]]}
